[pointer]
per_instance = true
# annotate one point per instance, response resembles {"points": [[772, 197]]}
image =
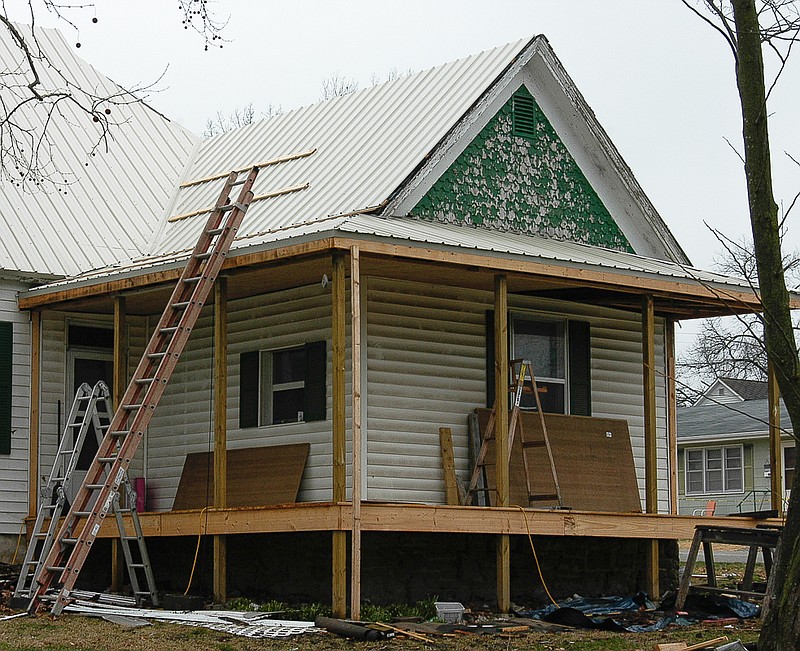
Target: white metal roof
{"points": [[114, 198], [365, 145]]}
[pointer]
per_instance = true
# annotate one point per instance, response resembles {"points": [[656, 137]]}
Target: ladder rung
{"points": [[69, 541], [56, 568], [156, 355], [132, 407], [193, 279], [48, 507], [215, 231], [533, 444], [82, 514], [239, 182], [94, 487], [137, 566], [130, 538], [107, 459], [547, 496], [202, 256], [144, 380], [182, 305], [168, 330], [120, 433]]}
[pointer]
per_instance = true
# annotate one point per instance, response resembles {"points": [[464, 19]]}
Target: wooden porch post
{"points": [[120, 382], [355, 333], [501, 435], [672, 417], [33, 445], [650, 438], [220, 558], [775, 459], [338, 327]]}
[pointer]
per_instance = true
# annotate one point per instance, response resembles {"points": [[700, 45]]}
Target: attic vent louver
{"points": [[523, 116]]}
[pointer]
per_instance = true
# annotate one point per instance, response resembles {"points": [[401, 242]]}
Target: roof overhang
{"points": [[680, 295]]}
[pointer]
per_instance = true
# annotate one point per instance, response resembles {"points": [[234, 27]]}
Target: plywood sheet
{"points": [[256, 477], [593, 459]]}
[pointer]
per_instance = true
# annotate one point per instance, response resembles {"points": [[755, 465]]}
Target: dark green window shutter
{"points": [[523, 116], [248, 389], [316, 381], [6, 363], [580, 390], [490, 395]]}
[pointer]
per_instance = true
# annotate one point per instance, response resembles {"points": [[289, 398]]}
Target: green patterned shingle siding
{"points": [[521, 178]]}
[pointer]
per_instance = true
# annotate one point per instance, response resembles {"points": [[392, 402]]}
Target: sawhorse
{"points": [[763, 538]]}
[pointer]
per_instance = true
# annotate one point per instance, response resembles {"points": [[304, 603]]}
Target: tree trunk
{"points": [[781, 628]]}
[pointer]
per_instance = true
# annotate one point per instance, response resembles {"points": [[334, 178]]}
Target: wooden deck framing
{"points": [[424, 518]]}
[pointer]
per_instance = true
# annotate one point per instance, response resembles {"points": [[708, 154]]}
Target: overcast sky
{"points": [[660, 81]]}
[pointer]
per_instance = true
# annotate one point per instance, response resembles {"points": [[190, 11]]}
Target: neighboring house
{"points": [[723, 449], [728, 389], [107, 208], [450, 200]]}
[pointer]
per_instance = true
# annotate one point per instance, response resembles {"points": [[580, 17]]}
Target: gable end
{"points": [[518, 176]]}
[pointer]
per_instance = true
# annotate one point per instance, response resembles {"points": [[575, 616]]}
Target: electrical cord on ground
{"points": [[535, 557], [203, 527]]}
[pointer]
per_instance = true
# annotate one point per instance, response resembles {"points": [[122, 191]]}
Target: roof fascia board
{"points": [[448, 149], [623, 172], [584, 275]]}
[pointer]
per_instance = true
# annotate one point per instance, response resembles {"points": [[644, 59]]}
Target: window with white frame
{"points": [[284, 385], [715, 470], [543, 343]]}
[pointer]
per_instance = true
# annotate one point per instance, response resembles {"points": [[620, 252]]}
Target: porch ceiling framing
{"points": [[679, 298]]}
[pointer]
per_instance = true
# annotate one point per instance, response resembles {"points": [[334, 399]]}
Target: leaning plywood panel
{"points": [[255, 477], [593, 460]]}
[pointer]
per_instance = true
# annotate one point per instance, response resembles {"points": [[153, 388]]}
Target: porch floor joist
{"points": [[382, 517]]}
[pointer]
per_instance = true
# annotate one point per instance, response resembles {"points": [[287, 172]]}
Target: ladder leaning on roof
{"points": [[102, 482]]}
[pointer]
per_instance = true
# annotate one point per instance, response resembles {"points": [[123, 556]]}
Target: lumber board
{"points": [[449, 466], [595, 471], [255, 477]]}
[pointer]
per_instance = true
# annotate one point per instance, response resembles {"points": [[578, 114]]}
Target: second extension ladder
{"points": [[108, 470], [519, 376]]}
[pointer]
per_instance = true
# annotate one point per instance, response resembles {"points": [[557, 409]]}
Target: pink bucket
{"points": [[141, 493]]}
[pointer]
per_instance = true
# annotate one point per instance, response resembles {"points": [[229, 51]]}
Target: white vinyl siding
{"points": [[14, 466], [183, 422], [426, 369]]}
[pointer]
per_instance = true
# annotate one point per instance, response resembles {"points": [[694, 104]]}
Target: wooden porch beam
{"points": [[33, 433], [726, 298], [672, 417], [775, 456], [355, 335], [501, 435], [119, 382], [426, 518], [650, 436], [220, 555], [339, 461]]}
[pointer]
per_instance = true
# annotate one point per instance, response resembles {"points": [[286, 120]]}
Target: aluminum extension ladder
{"points": [[105, 475], [517, 387]]}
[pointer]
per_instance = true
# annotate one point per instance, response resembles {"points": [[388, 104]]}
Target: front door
{"points": [[88, 366]]}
